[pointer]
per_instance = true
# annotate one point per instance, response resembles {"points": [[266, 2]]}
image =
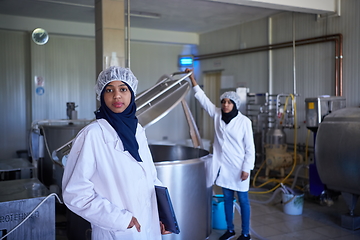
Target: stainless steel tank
{"points": [[337, 155], [185, 171], [337, 150], [56, 133]]}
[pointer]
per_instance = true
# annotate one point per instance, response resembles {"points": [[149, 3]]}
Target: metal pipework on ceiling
{"points": [[336, 38]]}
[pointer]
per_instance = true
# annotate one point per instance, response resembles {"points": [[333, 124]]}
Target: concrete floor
{"points": [[316, 221], [271, 223]]}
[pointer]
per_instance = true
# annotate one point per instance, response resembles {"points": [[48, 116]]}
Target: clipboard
{"points": [[166, 210]]}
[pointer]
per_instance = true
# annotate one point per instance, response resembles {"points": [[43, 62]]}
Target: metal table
{"points": [[17, 164], [18, 198]]}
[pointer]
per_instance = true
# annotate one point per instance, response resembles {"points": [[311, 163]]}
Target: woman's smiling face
{"points": [[117, 96]]}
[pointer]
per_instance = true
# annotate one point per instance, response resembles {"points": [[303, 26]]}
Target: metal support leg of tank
{"points": [[350, 220]]}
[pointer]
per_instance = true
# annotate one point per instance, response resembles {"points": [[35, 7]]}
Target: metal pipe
{"points": [[340, 65], [337, 38], [294, 54], [336, 68], [270, 57], [128, 33]]}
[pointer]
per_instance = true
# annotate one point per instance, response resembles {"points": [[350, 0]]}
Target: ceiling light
{"points": [[67, 3], [132, 13], [144, 14]]}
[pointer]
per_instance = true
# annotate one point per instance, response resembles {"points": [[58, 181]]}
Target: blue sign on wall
{"points": [[40, 91]]}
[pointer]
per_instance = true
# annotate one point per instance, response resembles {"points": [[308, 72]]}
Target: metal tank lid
{"points": [[344, 114], [156, 102]]}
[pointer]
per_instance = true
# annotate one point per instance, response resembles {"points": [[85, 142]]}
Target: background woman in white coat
{"points": [[109, 175], [233, 155]]}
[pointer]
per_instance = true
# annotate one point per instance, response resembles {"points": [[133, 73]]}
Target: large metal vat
{"points": [[184, 170], [186, 173], [337, 155], [55, 133], [337, 150]]}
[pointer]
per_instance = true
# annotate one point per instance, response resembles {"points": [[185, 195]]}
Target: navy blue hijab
{"points": [[124, 123]]}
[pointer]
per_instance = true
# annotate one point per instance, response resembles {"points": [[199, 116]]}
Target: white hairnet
{"points": [[232, 96], [115, 73]]}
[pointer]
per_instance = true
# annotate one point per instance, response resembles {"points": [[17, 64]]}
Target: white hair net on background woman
{"points": [[115, 73], [232, 96]]}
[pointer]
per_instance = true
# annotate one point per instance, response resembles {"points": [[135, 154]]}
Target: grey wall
{"points": [[67, 65], [14, 95]]}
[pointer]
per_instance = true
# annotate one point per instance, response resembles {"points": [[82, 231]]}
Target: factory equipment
{"points": [[316, 110], [16, 168], [276, 154], [18, 198], [337, 155], [46, 136], [270, 114], [70, 110], [257, 112], [184, 171]]}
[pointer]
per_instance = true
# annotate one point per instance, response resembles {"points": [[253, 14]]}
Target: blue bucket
{"points": [[218, 212]]}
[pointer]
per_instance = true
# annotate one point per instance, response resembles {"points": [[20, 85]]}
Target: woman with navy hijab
{"points": [[233, 155], [109, 175]]}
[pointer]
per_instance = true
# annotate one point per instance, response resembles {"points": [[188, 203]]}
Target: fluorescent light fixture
{"points": [[143, 14], [132, 13], [186, 60], [68, 3]]}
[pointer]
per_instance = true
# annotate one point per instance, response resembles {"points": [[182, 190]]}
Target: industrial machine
{"points": [[46, 136], [270, 114], [184, 170], [18, 199], [337, 155], [316, 110]]}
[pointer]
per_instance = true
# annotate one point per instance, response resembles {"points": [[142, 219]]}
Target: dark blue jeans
{"points": [[229, 209]]}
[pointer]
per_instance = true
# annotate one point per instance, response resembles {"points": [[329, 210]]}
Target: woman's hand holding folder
{"points": [[163, 230]]}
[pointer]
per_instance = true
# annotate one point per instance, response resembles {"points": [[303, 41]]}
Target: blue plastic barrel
{"points": [[218, 212]]}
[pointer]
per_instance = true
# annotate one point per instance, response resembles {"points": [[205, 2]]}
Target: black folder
{"points": [[166, 210]]}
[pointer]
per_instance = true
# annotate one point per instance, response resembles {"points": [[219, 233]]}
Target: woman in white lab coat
{"points": [[233, 155], [109, 175]]}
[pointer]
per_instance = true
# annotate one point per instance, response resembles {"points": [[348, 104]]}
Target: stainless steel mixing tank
{"points": [[184, 171], [337, 154]]}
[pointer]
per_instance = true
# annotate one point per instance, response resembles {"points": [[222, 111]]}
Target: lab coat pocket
{"points": [[128, 234]]}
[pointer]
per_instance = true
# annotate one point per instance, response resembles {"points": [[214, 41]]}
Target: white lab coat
{"points": [[106, 186], [233, 147]]}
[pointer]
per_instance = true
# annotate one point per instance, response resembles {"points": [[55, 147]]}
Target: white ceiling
{"points": [[196, 16]]}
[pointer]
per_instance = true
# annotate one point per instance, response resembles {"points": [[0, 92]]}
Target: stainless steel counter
{"points": [[18, 198]]}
